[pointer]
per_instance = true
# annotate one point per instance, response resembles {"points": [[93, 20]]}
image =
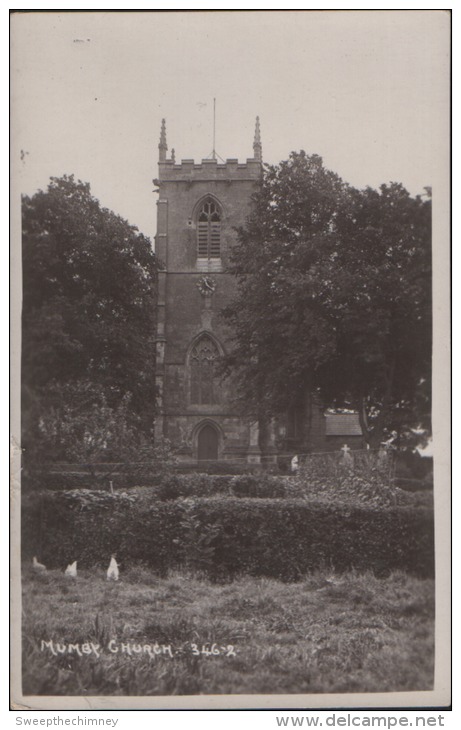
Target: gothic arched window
{"points": [[209, 230], [202, 360]]}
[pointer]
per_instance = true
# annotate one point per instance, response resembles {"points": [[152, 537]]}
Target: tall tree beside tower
{"points": [[88, 358], [334, 297]]}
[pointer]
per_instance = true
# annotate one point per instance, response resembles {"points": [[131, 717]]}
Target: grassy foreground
{"points": [[181, 635]]}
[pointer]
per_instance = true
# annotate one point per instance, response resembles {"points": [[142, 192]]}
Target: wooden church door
{"points": [[208, 444]]}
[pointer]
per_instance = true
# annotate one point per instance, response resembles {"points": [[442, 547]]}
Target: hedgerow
{"points": [[169, 485], [223, 536], [285, 539], [174, 486]]}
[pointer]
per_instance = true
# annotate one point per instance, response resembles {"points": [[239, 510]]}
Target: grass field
{"points": [[182, 635]]}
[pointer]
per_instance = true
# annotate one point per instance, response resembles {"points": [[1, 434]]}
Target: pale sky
{"points": [[366, 90]]}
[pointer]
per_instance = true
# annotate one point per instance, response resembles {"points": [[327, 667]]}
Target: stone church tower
{"points": [[199, 206]]}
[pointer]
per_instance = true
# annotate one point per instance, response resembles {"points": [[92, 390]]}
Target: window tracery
{"points": [[202, 360]]}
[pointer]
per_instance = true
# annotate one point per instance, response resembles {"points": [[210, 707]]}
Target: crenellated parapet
{"points": [[209, 169]]}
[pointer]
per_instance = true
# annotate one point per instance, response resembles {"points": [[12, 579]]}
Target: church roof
{"points": [[342, 424]]}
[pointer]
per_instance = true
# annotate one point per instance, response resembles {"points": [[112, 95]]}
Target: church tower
{"points": [[199, 207]]}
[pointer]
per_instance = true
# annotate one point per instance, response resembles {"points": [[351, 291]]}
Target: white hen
{"points": [[71, 570], [112, 570], [36, 565]]}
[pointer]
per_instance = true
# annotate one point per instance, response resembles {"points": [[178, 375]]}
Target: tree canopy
{"points": [[334, 297], [88, 321]]}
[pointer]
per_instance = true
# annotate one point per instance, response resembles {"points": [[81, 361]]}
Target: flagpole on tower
{"points": [[214, 128], [214, 155]]}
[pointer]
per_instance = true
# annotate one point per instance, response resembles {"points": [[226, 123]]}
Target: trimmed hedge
{"points": [[60, 481], [287, 539], [90, 526], [223, 537], [173, 485], [215, 468]]}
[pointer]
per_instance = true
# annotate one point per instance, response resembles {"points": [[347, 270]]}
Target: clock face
{"points": [[206, 285]]}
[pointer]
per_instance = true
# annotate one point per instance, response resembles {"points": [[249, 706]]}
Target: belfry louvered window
{"points": [[209, 230]]}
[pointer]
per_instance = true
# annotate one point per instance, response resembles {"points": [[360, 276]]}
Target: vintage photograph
{"points": [[230, 262]]}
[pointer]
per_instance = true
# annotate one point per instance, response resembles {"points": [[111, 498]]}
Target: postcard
{"points": [[230, 433]]}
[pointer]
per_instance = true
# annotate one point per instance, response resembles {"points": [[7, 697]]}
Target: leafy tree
{"points": [[380, 304], [78, 425], [281, 335], [88, 320], [333, 297]]}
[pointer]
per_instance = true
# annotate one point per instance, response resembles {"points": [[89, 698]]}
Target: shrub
{"points": [[287, 538], [196, 541], [217, 467], [144, 464], [89, 526], [175, 486], [365, 478], [224, 536], [257, 485], [415, 485], [197, 485]]}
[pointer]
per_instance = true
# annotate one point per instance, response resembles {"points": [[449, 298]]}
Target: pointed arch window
{"points": [[203, 385], [209, 230]]}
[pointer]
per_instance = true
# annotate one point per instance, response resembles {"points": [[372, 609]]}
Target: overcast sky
{"points": [[366, 90]]}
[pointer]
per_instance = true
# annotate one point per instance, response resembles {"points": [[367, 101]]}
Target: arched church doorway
{"points": [[207, 444]]}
